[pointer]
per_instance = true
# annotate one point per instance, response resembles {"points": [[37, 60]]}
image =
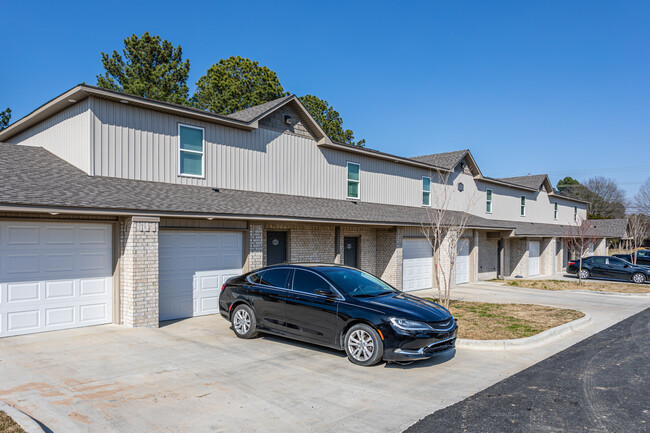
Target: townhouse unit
{"points": [[121, 209]]}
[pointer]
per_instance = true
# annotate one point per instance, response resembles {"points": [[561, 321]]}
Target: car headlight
{"points": [[409, 325]]}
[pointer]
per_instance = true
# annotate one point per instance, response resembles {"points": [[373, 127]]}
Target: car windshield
{"points": [[356, 283]]}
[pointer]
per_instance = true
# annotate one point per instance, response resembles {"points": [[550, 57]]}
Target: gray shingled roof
{"points": [[614, 228], [252, 113], [446, 160], [33, 176], [532, 181]]}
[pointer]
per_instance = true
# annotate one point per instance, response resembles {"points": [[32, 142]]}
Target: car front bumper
{"points": [[411, 347]]}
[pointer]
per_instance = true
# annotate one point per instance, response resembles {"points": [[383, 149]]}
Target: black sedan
{"points": [[339, 307], [609, 267]]}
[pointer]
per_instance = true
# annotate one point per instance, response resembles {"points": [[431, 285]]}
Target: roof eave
{"points": [[387, 157], [82, 91]]}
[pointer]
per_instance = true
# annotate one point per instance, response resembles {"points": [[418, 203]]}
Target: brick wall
{"points": [[487, 257], [256, 250], [547, 256], [389, 256], [518, 257], [139, 271]]}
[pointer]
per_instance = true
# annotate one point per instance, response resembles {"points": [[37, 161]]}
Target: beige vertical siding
{"points": [[66, 134]]}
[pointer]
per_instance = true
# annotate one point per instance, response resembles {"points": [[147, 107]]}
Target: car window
{"points": [[255, 278], [643, 254], [598, 260], [276, 278], [308, 282], [617, 262], [357, 283]]}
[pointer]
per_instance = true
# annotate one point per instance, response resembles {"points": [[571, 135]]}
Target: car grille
{"points": [[444, 325]]}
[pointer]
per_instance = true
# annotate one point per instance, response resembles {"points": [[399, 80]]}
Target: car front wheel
{"points": [[638, 278], [363, 345], [584, 274], [243, 321]]}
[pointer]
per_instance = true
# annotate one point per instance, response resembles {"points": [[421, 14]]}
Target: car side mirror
{"points": [[325, 292]]}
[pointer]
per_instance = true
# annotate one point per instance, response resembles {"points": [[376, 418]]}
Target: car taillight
{"points": [[223, 287], [570, 264]]}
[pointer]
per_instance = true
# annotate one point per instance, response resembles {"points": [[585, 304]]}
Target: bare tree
{"points": [[580, 239], [642, 199], [637, 230], [444, 227], [606, 199]]}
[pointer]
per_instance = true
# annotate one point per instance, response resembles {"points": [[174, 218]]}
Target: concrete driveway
{"points": [[195, 375]]}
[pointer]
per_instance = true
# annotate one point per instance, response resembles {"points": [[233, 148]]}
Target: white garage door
{"points": [[533, 258], [462, 262], [417, 264], [192, 268], [54, 276]]}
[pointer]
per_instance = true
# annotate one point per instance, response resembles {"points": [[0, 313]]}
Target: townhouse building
{"points": [[121, 209]]}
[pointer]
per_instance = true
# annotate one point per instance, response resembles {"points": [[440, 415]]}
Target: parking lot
{"points": [[195, 375]]}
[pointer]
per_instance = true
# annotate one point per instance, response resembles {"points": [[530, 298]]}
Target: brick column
{"points": [[475, 254], [389, 256], [256, 246], [139, 272]]}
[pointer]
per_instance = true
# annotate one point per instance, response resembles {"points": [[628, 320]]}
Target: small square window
{"points": [[190, 151]]}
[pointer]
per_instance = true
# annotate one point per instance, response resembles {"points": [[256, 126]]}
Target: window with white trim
{"points": [[426, 191], [191, 151], [575, 213], [522, 210], [488, 201], [555, 212], [354, 170]]}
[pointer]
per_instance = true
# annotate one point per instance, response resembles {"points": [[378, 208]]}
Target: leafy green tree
{"points": [[234, 84], [149, 67], [329, 119], [566, 184], [5, 117]]}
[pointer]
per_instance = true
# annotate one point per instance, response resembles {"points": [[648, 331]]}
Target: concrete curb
{"points": [[593, 292], [527, 342], [22, 419]]}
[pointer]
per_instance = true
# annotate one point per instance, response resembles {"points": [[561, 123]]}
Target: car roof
{"points": [[306, 265]]}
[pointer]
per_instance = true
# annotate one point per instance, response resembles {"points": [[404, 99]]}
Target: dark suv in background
{"points": [[642, 257], [610, 268]]}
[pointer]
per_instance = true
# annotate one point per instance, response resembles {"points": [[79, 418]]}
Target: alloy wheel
{"points": [[638, 278], [361, 345], [242, 321], [584, 273]]}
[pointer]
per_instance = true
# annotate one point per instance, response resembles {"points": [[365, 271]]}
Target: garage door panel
{"points": [[462, 261], [59, 289], [59, 316], [192, 270], [54, 276]]}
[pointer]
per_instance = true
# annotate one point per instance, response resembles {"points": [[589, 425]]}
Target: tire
{"points": [[638, 278], [584, 274], [243, 322], [363, 345]]}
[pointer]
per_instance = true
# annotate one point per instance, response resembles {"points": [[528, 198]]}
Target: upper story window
{"points": [[426, 191], [353, 179], [190, 151], [555, 211], [575, 213], [488, 201], [522, 210]]}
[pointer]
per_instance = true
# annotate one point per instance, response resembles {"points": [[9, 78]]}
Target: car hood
{"points": [[409, 307]]}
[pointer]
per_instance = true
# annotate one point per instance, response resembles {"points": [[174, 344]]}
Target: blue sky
{"points": [[534, 86]]}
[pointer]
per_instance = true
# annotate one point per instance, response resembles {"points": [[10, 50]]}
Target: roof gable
{"points": [[448, 161], [534, 182]]}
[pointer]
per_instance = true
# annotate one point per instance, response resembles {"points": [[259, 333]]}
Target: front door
{"points": [[276, 248], [350, 256]]}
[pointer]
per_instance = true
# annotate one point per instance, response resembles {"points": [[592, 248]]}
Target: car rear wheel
{"points": [[638, 278], [243, 321], [584, 274], [363, 345]]}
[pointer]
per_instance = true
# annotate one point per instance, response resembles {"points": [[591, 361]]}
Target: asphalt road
{"points": [[601, 384]]}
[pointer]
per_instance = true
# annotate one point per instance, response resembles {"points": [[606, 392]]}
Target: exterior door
{"points": [[417, 264], [276, 248], [533, 258], [54, 276], [462, 262], [193, 266], [350, 253]]}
